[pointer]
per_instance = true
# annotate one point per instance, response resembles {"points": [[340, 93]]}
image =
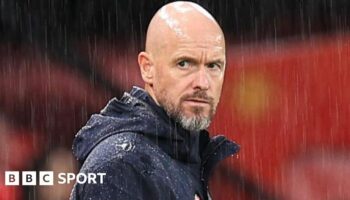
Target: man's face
{"points": [[188, 78]]}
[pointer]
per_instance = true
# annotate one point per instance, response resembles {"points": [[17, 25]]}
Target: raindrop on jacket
{"points": [[144, 153]]}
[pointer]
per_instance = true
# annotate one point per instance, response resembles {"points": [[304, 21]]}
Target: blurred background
{"points": [[286, 96]]}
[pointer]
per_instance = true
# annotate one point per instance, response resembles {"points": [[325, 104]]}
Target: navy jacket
{"points": [[144, 153]]}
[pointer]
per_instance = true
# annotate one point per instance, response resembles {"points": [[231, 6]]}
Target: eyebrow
{"points": [[189, 58], [194, 60], [219, 60]]}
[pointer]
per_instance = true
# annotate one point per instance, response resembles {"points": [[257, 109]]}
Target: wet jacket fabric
{"points": [[144, 153]]}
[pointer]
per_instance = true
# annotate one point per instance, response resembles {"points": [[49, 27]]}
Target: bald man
{"points": [[153, 143]]}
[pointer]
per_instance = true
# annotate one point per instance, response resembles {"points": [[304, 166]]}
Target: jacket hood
{"points": [[137, 112]]}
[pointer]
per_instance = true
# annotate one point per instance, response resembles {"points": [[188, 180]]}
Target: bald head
{"points": [[184, 63], [178, 21]]}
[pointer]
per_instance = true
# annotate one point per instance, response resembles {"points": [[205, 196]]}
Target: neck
{"points": [[150, 91]]}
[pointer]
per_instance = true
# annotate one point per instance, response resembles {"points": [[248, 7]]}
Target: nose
{"points": [[201, 80]]}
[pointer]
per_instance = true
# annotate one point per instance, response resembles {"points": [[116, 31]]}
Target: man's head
{"points": [[184, 63]]}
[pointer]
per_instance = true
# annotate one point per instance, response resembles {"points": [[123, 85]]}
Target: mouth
{"points": [[196, 101]]}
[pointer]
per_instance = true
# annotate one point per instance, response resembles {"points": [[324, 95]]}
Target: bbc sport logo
{"points": [[32, 178]]}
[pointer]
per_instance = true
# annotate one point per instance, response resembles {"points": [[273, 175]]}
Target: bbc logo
{"points": [[47, 178], [29, 178]]}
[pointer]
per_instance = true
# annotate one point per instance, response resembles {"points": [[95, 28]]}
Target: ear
{"points": [[146, 67]]}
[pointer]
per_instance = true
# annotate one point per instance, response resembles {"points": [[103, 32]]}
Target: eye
{"points": [[183, 64], [214, 66]]}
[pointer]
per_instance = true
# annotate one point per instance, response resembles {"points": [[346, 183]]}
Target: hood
{"points": [[137, 112]]}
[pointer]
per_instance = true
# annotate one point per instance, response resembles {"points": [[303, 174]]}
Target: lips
{"points": [[197, 102]]}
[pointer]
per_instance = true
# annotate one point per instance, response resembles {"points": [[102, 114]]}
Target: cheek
{"points": [[158, 78], [166, 86], [176, 84]]}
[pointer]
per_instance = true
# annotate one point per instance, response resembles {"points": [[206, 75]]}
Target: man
{"points": [[152, 143]]}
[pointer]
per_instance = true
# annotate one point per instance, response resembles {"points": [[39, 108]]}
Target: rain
{"points": [[285, 99]]}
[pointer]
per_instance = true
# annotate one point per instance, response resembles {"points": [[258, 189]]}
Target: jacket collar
{"points": [[198, 146], [180, 144]]}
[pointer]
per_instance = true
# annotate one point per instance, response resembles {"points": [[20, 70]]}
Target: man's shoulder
{"points": [[126, 148]]}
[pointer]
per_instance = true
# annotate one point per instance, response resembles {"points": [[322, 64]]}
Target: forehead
{"points": [[212, 46]]}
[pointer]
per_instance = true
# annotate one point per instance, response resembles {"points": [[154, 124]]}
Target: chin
{"points": [[192, 114]]}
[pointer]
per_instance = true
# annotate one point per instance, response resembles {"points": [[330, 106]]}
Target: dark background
{"points": [[56, 21]]}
